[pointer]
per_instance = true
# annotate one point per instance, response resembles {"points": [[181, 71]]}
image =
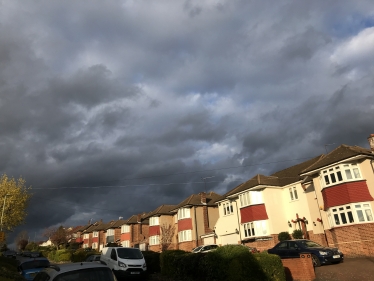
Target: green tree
{"points": [[14, 198], [284, 236], [297, 234]]}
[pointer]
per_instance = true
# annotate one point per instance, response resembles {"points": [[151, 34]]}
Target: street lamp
{"points": [[2, 214]]}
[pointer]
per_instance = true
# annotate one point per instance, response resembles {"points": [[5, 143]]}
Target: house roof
{"points": [[134, 219], [340, 153], [195, 200], [115, 224], [162, 210], [278, 179]]}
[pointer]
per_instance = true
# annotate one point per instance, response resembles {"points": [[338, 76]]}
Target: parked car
{"points": [[29, 267], [92, 258], [125, 262], [320, 254], [10, 254], [26, 254], [205, 248], [83, 271]]}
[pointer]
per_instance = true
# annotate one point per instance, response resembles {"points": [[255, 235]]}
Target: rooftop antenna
{"points": [[205, 181], [326, 145]]}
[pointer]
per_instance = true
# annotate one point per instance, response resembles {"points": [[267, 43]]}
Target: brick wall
{"points": [[263, 245], [353, 240], [319, 238], [299, 268], [187, 246]]}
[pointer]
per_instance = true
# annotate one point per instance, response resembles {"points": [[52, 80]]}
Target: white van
{"points": [[124, 261]]}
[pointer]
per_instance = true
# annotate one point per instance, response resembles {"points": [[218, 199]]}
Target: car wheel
{"points": [[315, 260]]}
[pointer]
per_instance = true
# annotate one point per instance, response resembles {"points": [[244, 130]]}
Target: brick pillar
{"points": [[205, 213]]}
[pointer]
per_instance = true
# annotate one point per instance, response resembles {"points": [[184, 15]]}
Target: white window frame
{"points": [[349, 214], [86, 236], [255, 229], [185, 235], [293, 193], [228, 208], [110, 232], [125, 228], [125, 243], [340, 173], [253, 197], [95, 234], [94, 245], [184, 213], [154, 240], [154, 221]]}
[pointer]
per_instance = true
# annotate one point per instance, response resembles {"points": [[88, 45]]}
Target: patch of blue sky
{"points": [[351, 25]]}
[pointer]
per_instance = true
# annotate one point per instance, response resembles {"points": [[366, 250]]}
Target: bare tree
{"points": [[22, 240], [58, 236], [167, 234]]}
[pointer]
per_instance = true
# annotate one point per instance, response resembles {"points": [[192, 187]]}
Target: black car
{"points": [[320, 254]]}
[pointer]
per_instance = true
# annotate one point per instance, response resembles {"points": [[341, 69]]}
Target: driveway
{"points": [[351, 269]]}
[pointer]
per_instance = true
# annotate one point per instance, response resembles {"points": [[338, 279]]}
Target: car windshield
{"points": [[197, 249], [89, 274], [129, 253], [310, 244], [34, 264]]}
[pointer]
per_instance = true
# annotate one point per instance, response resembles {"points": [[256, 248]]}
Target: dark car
{"points": [[10, 254], [320, 254], [29, 267]]}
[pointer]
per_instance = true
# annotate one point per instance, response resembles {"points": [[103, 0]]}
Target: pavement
{"points": [[351, 269]]}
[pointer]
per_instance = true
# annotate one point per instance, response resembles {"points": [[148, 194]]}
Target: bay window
{"points": [[184, 235], [340, 173], [154, 221], [250, 198], [255, 228], [154, 240], [350, 214], [95, 234], [184, 213], [125, 228]]}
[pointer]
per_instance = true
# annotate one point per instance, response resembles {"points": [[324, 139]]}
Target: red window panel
{"points": [[346, 193], [125, 236], [95, 239], [184, 224], [154, 230], [253, 213]]}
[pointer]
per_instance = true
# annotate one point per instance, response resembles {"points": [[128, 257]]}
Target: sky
{"points": [[113, 108]]}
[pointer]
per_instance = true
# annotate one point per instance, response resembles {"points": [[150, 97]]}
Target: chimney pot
{"points": [[371, 142]]}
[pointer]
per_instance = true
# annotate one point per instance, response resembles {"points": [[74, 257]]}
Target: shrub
{"points": [[152, 260], [297, 234], [284, 236], [80, 255], [232, 262], [168, 262], [8, 270], [272, 266]]}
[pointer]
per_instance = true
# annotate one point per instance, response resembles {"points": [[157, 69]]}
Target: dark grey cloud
{"points": [[112, 109]]}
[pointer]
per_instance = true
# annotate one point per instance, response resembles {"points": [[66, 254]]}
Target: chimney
{"points": [[203, 198], [139, 218], [371, 142]]}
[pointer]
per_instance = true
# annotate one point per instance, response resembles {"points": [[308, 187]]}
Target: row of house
{"points": [[329, 198]]}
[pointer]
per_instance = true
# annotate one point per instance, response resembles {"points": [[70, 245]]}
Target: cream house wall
{"points": [[227, 224], [314, 209], [275, 208], [169, 220], [367, 170]]}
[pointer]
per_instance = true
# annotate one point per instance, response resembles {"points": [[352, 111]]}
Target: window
{"points": [[184, 235], [340, 173], [184, 213], [255, 228], [95, 234], [125, 228], [125, 243], [349, 214], [154, 221], [86, 236], [110, 232], [94, 245], [250, 198], [154, 240], [293, 193], [227, 208]]}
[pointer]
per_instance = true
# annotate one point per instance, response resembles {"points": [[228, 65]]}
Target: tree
{"points": [[58, 236], [297, 234], [14, 198], [167, 234], [22, 240], [284, 236]]}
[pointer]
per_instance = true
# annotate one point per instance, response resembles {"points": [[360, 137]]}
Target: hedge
{"points": [[231, 262], [152, 260], [8, 270]]}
